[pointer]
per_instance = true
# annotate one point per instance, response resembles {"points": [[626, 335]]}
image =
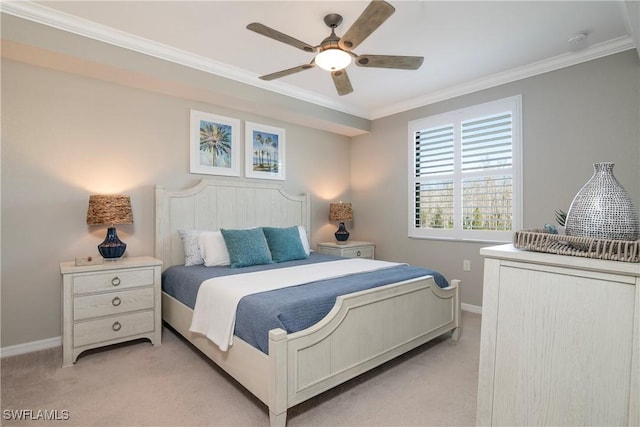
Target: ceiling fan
{"points": [[335, 53]]}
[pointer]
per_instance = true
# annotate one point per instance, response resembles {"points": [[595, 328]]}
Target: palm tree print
{"points": [[215, 143], [265, 150]]}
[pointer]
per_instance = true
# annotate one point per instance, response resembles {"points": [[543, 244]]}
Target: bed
{"points": [[361, 331]]}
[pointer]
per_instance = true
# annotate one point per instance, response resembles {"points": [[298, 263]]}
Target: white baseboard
{"points": [[477, 309], [14, 350], [29, 347]]}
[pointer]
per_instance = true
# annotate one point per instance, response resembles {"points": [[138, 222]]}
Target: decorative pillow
{"points": [[213, 248], [304, 239], [247, 247], [284, 243], [190, 239]]}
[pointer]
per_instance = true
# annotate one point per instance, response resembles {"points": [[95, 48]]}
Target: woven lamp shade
{"points": [[109, 210], [340, 212]]}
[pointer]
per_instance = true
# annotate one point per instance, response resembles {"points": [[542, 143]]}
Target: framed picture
{"points": [[264, 151], [214, 146]]}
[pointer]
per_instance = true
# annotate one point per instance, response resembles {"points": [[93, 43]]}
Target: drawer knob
{"points": [[116, 326], [359, 253], [115, 281], [116, 301]]}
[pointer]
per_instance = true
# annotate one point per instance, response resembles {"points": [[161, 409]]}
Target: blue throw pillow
{"points": [[246, 247], [284, 243]]}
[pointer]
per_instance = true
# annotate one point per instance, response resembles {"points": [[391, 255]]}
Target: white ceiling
{"points": [[466, 45]]}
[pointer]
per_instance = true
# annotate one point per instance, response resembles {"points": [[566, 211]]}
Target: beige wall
{"points": [[65, 137], [572, 118]]}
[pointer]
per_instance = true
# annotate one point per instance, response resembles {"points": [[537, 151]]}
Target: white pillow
{"points": [[304, 239], [214, 249], [192, 253]]}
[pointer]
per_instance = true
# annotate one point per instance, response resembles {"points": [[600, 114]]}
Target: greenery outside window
{"points": [[465, 173]]}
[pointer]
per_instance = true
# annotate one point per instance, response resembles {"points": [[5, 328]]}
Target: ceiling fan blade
{"points": [[281, 37], [371, 18], [342, 82], [390, 61], [287, 72]]}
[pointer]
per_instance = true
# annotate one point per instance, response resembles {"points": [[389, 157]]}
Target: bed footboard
{"points": [[362, 331]]}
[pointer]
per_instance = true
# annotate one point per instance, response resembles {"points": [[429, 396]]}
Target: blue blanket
{"points": [[294, 308]]}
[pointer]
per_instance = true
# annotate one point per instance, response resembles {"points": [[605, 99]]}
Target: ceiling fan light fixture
{"points": [[333, 59], [335, 53]]}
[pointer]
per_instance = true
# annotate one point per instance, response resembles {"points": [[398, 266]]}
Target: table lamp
{"points": [[110, 210], [341, 212]]}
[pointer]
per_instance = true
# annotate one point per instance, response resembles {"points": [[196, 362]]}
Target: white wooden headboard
{"points": [[214, 204]]}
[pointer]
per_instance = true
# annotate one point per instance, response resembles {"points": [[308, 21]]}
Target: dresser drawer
{"points": [[110, 303], [363, 252], [120, 279], [111, 328]]}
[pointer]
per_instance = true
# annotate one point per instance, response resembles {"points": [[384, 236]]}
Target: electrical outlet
{"points": [[466, 265]]}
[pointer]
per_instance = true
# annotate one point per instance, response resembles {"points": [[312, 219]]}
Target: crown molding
{"points": [[600, 50], [62, 21], [73, 24]]}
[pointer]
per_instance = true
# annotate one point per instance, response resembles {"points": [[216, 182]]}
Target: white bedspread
{"points": [[214, 314]]}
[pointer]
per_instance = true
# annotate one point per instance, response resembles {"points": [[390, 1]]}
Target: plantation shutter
{"points": [[486, 149], [434, 166], [434, 151], [486, 143]]}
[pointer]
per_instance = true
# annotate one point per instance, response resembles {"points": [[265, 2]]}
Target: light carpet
{"points": [[136, 384]]}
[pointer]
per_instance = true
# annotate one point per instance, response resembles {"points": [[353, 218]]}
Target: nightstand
{"points": [[350, 249], [109, 303]]}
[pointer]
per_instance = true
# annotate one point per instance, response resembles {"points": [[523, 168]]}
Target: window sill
{"points": [[455, 239]]}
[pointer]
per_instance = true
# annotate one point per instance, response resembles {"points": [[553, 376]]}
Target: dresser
{"points": [[109, 303], [349, 249], [560, 340]]}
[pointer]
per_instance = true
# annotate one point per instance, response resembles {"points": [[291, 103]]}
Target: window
{"points": [[465, 173]]}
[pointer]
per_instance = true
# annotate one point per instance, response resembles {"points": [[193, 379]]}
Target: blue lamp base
{"points": [[112, 248], [342, 235]]}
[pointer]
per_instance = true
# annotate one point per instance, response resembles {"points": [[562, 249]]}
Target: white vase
{"points": [[602, 209]]}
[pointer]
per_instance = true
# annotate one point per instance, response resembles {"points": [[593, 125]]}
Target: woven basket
{"points": [[560, 244]]}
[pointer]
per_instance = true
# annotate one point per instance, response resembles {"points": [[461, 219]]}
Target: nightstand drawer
{"points": [[364, 252], [351, 249], [83, 284], [90, 306], [111, 328]]}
